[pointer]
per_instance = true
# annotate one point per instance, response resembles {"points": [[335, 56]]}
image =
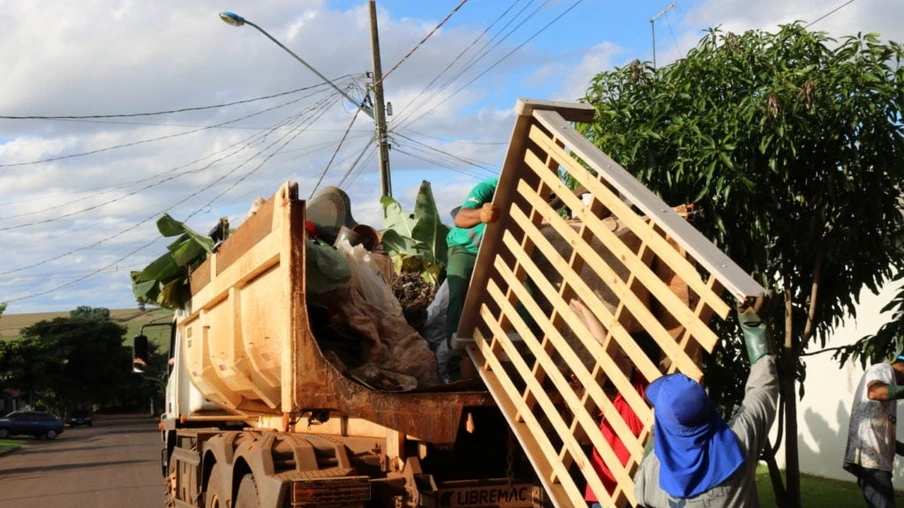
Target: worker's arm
{"points": [[753, 419], [470, 217], [877, 390]]}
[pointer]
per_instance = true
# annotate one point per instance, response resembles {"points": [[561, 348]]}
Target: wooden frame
{"points": [[550, 387]]}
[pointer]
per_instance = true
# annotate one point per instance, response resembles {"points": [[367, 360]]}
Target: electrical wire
{"points": [[107, 190], [510, 53], [86, 277], [169, 111], [301, 130], [463, 141], [483, 166], [150, 140], [333, 157], [479, 55], [357, 160], [418, 45], [677, 46], [461, 54], [370, 158], [826, 15], [333, 96], [119, 198], [436, 163]]}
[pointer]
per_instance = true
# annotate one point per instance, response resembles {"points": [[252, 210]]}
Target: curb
{"points": [[11, 450]]}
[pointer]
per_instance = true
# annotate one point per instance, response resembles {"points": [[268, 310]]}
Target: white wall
{"points": [[823, 414]]}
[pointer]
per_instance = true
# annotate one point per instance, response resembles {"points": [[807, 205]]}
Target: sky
{"points": [[79, 197]]}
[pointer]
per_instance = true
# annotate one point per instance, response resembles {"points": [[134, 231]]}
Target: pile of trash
{"points": [[367, 319]]}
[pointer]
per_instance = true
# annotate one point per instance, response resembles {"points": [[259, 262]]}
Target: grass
{"points": [[815, 491], [9, 445], [133, 319]]}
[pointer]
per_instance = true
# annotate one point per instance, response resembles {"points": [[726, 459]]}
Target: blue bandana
{"points": [[695, 448]]}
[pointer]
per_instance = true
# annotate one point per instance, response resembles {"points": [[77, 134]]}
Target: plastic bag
{"points": [[366, 278], [434, 330]]}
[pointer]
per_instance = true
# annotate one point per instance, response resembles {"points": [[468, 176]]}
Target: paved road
{"points": [[115, 464]]}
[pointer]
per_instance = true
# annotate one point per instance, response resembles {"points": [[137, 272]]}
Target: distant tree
{"points": [[2, 308], [84, 361], [86, 312], [792, 144]]}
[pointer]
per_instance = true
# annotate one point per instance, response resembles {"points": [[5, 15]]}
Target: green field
{"points": [[10, 324]]}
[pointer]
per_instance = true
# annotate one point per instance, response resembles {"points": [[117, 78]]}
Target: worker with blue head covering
{"points": [[699, 459]]}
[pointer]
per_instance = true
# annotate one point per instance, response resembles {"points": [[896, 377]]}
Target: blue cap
{"points": [[695, 448]]}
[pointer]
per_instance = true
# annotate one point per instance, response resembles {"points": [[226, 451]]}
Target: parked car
{"points": [[81, 417], [30, 423]]}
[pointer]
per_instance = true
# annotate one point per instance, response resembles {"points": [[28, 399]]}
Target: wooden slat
{"points": [[638, 309], [528, 432], [567, 437], [570, 111], [735, 280], [637, 268], [591, 387], [644, 231], [702, 311], [577, 325]]}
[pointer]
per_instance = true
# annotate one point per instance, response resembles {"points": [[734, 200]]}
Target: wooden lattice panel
{"points": [[556, 306]]}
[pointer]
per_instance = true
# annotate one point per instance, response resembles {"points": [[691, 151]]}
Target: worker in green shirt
{"points": [[463, 241]]}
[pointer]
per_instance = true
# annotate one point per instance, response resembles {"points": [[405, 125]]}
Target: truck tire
{"points": [[215, 497], [247, 497]]}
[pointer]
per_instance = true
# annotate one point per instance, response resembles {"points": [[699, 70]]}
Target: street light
{"points": [[231, 18]]}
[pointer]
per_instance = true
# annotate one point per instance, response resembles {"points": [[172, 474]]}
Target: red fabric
{"points": [[636, 426]]}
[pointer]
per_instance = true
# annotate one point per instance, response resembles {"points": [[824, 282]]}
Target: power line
{"points": [[481, 53], [826, 15], [370, 158], [313, 119], [669, 23], [119, 198], [169, 111], [418, 45], [463, 141], [150, 140], [86, 277], [510, 53], [436, 163], [354, 164], [462, 53], [151, 217], [456, 157], [333, 157]]}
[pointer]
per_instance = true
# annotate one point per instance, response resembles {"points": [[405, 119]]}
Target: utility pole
{"points": [[653, 27], [379, 105]]}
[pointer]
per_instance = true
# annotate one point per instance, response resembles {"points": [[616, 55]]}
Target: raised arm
{"points": [[757, 412]]}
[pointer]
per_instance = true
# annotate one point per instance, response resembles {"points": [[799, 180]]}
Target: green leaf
{"points": [[161, 268], [429, 230]]}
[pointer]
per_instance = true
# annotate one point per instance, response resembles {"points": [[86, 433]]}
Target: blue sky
{"points": [[71, 229]]}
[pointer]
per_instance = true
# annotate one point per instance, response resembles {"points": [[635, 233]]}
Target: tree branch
{"points": [[814, 297]]}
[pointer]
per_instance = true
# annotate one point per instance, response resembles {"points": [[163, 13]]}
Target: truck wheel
{"points": [[247, 497], [214, 498]]}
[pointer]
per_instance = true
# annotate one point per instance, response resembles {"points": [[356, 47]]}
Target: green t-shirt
{"points": [[469, 238]]}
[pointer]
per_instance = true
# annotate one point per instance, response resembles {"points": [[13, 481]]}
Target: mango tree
{"points": [[791, 144]]}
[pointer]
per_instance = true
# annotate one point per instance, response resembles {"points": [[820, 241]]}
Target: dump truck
{"points": [[257, 416]]}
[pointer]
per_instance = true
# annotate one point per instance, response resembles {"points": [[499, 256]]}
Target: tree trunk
{"points": [[788, 384], [792, 459]]}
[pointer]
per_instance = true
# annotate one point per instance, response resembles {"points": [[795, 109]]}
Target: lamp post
{"points": [[653, 27], [379, 119], [231, 18]]}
